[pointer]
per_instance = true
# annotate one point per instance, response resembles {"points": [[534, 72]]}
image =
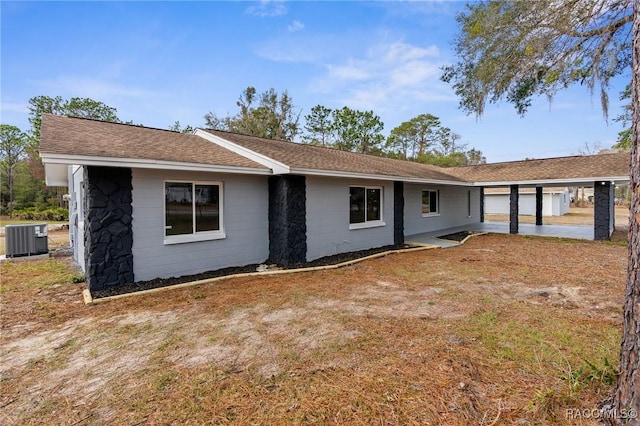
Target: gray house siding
{"points": [[328, 230], [245, 222], [453, 209], [76, 216]]}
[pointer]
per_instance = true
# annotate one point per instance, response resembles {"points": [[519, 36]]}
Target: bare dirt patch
{"points": [[498, 328]]}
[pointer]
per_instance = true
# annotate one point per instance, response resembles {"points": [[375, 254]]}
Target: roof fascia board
{"points": [[145, 164], [277, 167], [352, 175], [555, 182]]}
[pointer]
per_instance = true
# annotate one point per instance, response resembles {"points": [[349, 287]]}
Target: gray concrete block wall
{"points": [[328, 231], [245, 223]]}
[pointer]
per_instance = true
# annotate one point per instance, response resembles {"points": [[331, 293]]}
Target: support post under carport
{"points": [[481, 204], [513, 210], [538, 205], [398, 213], [603, 210]]}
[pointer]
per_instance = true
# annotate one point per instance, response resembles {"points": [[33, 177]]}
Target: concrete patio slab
{"points": [[561, 231]]}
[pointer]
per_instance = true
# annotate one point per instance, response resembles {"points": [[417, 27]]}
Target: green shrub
{"points": [[51, 214]]}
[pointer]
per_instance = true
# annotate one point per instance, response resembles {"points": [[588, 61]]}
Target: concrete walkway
{"points": [[562, 231]]}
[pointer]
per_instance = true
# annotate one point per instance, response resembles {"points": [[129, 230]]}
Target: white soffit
{"points": [[619, 180], [353, 175], [145, 164], [56, 174]]}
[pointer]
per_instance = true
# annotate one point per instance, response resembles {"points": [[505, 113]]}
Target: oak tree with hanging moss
{"points": [[519, 50]]}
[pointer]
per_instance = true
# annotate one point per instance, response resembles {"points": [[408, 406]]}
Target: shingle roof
{"points": [[77, 137], [93, 138], [309, 157], [567, 168]]}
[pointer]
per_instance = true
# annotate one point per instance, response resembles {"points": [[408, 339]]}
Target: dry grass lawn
{"points": [[502, 330]]}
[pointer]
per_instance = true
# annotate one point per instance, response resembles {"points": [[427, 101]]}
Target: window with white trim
{"points": [[365, 205], [193, 211], [430, 202]]}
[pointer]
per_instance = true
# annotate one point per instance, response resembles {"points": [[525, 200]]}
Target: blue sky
{"points": [[158, 62]]}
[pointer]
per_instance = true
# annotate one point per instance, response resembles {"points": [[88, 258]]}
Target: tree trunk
{"points": [[624, 408], [10, 178]]}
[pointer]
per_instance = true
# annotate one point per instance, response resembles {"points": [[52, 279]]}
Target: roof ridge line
{"points": [[539, 159], [333, 149], [139, 126]]}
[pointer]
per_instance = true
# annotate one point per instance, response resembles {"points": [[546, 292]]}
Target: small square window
{"points": [[430, 202]]}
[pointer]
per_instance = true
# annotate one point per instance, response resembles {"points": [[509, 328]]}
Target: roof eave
{"points": [[140, 163], [556, 182], [354, 175]]}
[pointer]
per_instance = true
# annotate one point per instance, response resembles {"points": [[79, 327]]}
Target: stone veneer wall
{"points": [[539, 205], [603, 215], [287, 220], [398, 213], [513, 209], [108, 238], [481, 204]]}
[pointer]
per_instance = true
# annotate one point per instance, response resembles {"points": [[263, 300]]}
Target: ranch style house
{"points": [[149, 203]]}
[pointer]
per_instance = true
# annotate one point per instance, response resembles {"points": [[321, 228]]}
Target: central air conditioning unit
{"points": [[26, 240]]}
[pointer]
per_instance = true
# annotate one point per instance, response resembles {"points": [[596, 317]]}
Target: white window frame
{"points": [[194, 236], [437, 212], [369, 223]]}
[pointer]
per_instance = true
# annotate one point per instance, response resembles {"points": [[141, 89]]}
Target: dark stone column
{"points": [[398, 213], [538, 205], [482, 204], [108, 238], [287, 220], [603, 198], [513, 210]]}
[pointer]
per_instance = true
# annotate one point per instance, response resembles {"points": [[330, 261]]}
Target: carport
{"points": [[603, 172]]}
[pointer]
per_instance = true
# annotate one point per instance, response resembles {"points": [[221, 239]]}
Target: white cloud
{"points": [[95, 88], [295, 26], [348, 72], [401, 52], [14, 107], [412, 73], [267, 8], [389, 77], [282, 53], [394, 78], [305, 48]]}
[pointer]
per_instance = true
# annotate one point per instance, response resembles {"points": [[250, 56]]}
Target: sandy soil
{"points": [[64, 362]]}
